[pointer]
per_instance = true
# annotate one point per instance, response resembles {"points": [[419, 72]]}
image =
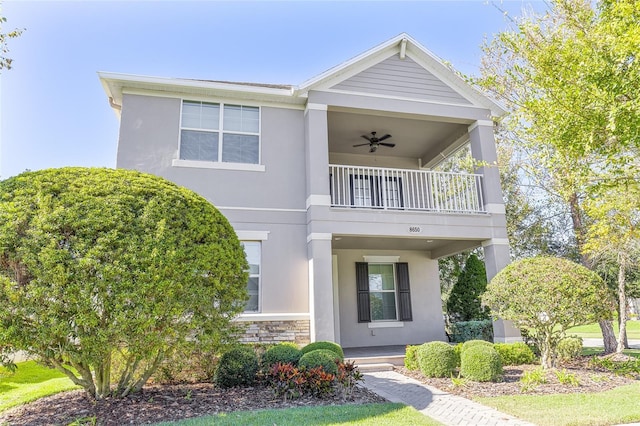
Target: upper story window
{"points": [[220, 132]]}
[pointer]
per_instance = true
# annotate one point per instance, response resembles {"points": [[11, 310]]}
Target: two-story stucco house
{"points": [[342, 226]]}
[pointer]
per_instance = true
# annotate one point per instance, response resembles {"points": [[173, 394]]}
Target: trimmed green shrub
{"points": [[517, 353], [457, 350], [324, 358], [237, 367], [463, 331], [436, 359], [284, 353], [411, 357], [324, 345], [481, 363], [472, 343], [570, 348], [464, 302]]}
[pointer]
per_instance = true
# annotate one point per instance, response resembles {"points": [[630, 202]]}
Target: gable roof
{"points": [[401, 46], [445, 85]]}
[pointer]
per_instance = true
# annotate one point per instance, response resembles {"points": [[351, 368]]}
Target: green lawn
{"points": [[598, 351], [593, 330], [388, 414], [30, 382], [615, 406]]}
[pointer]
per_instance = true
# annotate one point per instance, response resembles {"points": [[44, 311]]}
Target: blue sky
{"points": [[54, 112]]}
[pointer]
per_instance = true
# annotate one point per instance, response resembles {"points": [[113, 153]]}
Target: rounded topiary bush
{"points": [[436, 359], [457, 351], [569, 348], [411, 357], [517, 353], [237, 367], [481, 363], [324, 345], [285, 353], [320, 358], [471, 343]]}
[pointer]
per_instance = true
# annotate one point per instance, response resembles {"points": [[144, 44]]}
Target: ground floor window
{"points": [[383, 292], [253, 252]]}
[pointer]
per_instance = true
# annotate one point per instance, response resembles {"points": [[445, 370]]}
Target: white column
{"points": [[321, 297]]}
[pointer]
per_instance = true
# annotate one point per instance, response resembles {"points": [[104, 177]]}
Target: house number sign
{"points": [[415, 229]]}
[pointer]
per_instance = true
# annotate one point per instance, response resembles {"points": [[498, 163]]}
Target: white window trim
{"points": [[259, 167], [386, 324], [249, 167], [381, 259], [259, 275], [252, 235]]}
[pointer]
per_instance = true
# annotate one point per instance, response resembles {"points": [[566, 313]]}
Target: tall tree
{"points": [[570, 78]]}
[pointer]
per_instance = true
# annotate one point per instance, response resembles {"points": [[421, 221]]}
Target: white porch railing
{"points": [[399, 189]]}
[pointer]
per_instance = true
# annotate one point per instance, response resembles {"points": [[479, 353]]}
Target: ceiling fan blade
{"points": [[361, 144], [387, 136], [367, 137], [390, 145]]}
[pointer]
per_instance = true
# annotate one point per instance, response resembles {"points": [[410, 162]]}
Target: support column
{"points": [[483, 149], [496, 257], [317, 155], [321, 299]]}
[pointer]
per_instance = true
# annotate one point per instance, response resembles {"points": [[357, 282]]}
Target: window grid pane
{"points": [[252, 250], [382, 292], [200, 146]]}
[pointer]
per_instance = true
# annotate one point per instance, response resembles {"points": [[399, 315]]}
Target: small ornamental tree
{"points": [[103, 273], [547, 296], [464, 301]]}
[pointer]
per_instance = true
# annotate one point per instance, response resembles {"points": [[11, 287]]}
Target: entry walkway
{"points": [[448, 409]]}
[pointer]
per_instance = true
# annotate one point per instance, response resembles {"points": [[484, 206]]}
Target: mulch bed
{"points": [[163, 403], [589, 379]]}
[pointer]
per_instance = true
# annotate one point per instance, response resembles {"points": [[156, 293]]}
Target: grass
{"points": [[615, 406], [598, 351], [388, 414], [30, 382], [593, 330]]}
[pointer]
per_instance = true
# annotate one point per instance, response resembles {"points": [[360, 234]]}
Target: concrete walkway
{"points": [[448, 409]]}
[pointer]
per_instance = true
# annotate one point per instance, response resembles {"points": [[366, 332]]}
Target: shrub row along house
{"points": [[342, 226]]}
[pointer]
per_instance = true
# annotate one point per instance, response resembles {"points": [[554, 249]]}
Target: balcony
{"points": [[408, 190]]}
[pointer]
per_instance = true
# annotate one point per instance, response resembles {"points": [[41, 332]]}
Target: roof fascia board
{"points": [[117, 82], [204, 97]]}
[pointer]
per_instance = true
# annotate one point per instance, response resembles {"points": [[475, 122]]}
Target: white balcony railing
{"points": [[399, 189]]}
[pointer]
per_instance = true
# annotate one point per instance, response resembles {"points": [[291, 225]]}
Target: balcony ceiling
{"points": [[437, 247], [414, 138]]}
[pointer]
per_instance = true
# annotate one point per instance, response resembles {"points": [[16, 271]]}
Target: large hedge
{"points": [[547, 296], [98, 262], [464, 302]]}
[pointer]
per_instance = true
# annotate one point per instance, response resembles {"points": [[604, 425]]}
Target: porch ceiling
{"points": [[437, 247], [414, 138]]}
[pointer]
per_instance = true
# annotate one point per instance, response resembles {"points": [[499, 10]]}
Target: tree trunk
{"points": [[622, 296], [608, 335]]}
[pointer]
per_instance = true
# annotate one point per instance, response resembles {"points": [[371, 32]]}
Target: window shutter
{"points": [[404, 292], [362, 284]]}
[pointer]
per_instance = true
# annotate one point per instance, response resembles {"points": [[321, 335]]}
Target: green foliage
{"points": [[464, 302], [99, 264], [569, 348], [630, 368], [481, 363], [347, 378], [5, 61], [532, 379], [324, 358], [457, 352], [547, 296], [436, 359], [331, 346], [472, 343], [284, 353], [463, 331], [517, 353], [237, 367], [411, 357], [567, 378]]}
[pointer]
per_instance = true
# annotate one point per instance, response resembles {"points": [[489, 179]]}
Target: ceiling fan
{"points": [[375, 142]]}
